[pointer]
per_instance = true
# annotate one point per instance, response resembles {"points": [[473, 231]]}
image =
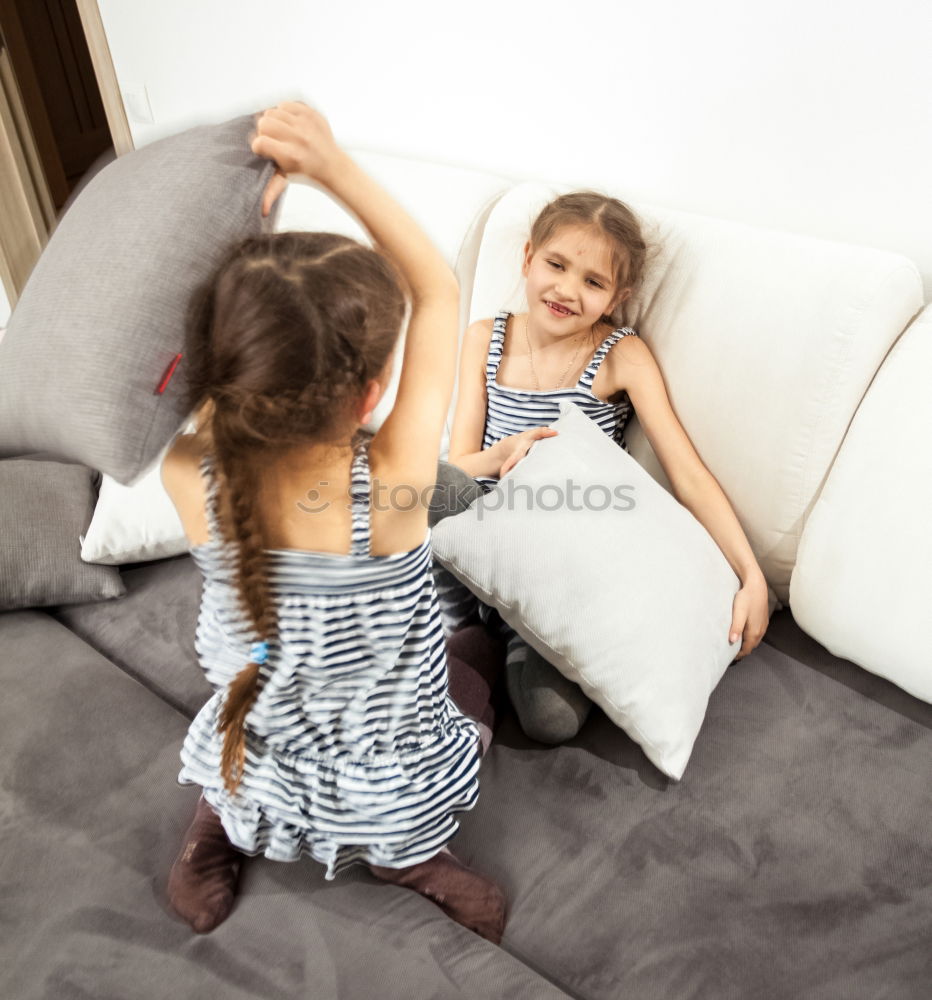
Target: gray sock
{"points": [[551, 708]]}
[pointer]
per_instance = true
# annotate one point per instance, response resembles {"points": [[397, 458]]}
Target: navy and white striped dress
{"points": [[354, 749], [511, 411]]}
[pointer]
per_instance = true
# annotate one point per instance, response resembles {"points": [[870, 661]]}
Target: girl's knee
{"points": [[455, 491]]}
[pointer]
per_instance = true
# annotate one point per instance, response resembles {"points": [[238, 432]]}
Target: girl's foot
{"points": [[202, 882], [469, 898]]}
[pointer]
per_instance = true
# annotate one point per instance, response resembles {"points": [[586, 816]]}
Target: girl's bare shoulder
{"points": [[478, 333], [627, 361], [475, 347]]}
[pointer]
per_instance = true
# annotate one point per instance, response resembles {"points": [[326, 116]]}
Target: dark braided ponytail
{"points": [[281, 343]]}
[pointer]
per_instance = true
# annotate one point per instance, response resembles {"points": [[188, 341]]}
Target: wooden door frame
{"points": [[28, 215], [106, 76]]}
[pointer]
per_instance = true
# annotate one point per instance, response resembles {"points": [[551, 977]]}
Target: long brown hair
{"points": [[280, 343], [614, 220]]}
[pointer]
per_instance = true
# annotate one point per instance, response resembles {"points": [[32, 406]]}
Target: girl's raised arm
{"points": [[299, 139]]}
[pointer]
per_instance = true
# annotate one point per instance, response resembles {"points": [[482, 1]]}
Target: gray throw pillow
{"points": [[610, 579], [102, 316], [46, 505]]}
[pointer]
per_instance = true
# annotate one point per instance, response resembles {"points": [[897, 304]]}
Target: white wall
{"points": [[4, 307], [805, 115]]}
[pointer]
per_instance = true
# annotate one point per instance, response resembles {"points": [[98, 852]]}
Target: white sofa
{"points": [[769, 343]]}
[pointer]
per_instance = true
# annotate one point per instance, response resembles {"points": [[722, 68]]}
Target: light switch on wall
{"points": [[137, 106]]}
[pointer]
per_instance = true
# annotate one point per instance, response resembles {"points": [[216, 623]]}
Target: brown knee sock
{"points": [[467, 897], [202, 882]]}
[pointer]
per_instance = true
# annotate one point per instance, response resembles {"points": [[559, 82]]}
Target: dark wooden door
{"points": [[53, 69]]}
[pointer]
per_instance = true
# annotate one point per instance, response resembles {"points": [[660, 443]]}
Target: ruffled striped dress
{"points": [[355, 751], [511, 411]]}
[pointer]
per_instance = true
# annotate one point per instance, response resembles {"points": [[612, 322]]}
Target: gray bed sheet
{"points": [[794, 859]]}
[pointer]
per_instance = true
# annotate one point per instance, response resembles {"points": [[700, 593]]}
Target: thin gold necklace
{"points": [[530, 357]]}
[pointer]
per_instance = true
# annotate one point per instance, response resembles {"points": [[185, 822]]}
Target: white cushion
{"points": [[862, 585], [449, 203], [134, 523], [767, 342], [632, 601]]}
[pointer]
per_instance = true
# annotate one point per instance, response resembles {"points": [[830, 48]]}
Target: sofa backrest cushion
{"points": [[767, 342], [862, 585]]}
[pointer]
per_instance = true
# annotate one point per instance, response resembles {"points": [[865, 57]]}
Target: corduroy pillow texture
{"points": [[608, 577]]}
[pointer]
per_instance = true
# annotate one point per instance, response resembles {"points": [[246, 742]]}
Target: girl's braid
{"points": [[280, 342]]}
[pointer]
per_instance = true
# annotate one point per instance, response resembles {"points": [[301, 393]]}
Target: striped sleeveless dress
{"points": [[355, 751], [511, 410]]}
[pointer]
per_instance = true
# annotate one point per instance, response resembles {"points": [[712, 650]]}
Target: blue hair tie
{"points": [[259, 652]]}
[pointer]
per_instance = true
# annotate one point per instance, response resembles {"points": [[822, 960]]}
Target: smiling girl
{"points": [[584, 260]]}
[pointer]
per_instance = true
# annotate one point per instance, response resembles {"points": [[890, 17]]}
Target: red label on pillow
{"points": [[169, 371]]}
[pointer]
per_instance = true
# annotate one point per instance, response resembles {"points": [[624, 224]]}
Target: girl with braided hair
{"points": [[332, 731]]}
